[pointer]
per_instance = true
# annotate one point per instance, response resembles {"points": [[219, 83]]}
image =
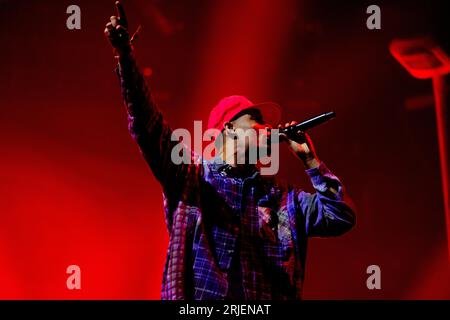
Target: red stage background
{"points": [[75, 190]]}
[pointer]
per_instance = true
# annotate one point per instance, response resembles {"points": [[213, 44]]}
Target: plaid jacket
{"points": [[208, 209]]}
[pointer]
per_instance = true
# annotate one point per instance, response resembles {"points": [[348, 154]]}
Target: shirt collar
{"points": [[226, 170]]}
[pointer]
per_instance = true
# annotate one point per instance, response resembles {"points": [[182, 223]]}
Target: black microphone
{"points": [[308, 124]]}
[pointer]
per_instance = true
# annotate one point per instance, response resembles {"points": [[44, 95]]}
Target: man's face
{"points": [[252, 130]]}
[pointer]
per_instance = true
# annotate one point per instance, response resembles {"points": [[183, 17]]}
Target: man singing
{"points": [[234, 233]]}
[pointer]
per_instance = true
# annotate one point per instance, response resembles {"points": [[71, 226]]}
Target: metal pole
{"points": [[443, 141]]}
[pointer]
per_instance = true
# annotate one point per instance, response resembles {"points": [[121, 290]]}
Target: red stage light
{"points": [[422, 57]]}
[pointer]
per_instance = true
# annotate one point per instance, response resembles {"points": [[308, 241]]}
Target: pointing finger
{"points": [[121, 14]]}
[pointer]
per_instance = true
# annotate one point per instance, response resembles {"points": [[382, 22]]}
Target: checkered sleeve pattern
{"points": [[151, 132]]}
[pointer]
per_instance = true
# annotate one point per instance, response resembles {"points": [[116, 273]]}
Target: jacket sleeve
{"points": [[324, 212], [151, 132]]}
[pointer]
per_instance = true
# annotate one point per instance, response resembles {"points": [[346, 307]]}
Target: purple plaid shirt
{"points": [[214, 215]]}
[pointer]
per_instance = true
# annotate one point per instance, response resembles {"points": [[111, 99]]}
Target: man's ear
{"points": [[228, 125], [229, 130]]}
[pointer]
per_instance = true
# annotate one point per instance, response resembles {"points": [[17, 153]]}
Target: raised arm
{"points": [[146, 123]]}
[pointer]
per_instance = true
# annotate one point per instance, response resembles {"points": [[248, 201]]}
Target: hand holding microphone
{"points": [[299, 141]]}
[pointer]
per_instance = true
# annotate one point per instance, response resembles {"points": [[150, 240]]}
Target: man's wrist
{"points": [[124, 52], [311, 162], [125, 58]]}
